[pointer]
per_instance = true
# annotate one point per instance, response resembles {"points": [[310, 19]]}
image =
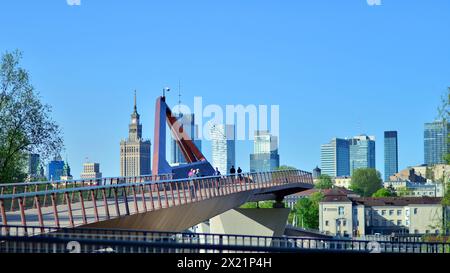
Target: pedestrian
{"points": [[198, 173], [232, 170], [239, 171], [218, 174]]}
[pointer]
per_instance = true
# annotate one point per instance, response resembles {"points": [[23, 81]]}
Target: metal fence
{"points": [[83, 240]]}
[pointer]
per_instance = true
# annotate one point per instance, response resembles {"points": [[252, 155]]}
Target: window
{"points": [[399, 222], [391, 212], [327, 223], [338, 223], [427, 231], [383, 212], [344, 223], [415, 210], [399, 212], [416, 231], [341, 210], [437, 231]]}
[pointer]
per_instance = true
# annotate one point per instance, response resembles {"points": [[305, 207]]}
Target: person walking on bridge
{"points": [[239, 171]]}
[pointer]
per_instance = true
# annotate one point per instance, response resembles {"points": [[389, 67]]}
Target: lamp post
{"points": [[165, 89]]}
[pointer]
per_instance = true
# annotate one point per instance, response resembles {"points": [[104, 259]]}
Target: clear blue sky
{"points": [[336, 68]]}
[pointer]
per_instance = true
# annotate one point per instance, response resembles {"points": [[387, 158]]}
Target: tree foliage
{"points": [[25, 123], [385, 192], [306, 211], [324, 182], [366, 181], [286, 168]]}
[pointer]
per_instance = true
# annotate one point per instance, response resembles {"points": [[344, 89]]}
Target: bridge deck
{"points": [[166, 205]]}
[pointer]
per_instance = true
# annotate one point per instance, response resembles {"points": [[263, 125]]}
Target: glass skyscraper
{"points": [[265, 155], [55, 169], [335, 158], [188, 123], [436, 143], [223, 147], [390, 154], [362, 152]]}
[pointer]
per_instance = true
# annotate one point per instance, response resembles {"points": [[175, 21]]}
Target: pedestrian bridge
{"points": [[157, 203]]}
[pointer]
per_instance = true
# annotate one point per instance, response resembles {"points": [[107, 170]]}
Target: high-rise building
{"points": [[362, 152], [55, 169], [187, 121], [223, 147], [335, 158], [135, 151], [436, 142], [32, 169], [265, 155], [91, 171], [390, 154]]}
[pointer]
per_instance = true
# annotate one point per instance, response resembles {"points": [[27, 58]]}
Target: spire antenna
{"points": [[135, 101]]}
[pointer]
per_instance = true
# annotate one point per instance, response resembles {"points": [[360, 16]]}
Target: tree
{"points": [[324, 182], [286, 168], [366, 181], [25, 123], [384, 193], [403, 191], [307, 211]]}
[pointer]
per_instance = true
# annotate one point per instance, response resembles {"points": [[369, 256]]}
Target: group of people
{"points": [[194, 173]]}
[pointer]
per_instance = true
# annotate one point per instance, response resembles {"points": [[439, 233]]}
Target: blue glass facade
{"points": [[390, 154], [436, 143], [335, 158], [55, 170], [362, 153]]}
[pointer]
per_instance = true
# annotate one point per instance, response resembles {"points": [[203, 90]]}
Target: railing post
{"points": [[22, 214], [4, 220], [159, 196], [34, 201], [150, 189], [136, 208], [83, 209], [94, 200], [125, 199], [165, 194], [69, 208], [38, 207], [178, 193], [184, 192], [199, 184], [144, 202], [12, 200], [105, 203], [194, 190], [116, 201], [171, 192], [55, 209]]}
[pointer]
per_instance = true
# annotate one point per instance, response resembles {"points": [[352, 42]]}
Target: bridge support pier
{"points": [[257, 222]]}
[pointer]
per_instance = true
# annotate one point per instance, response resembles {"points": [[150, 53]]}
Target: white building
{"points": [[223, 147], [91, 171]]}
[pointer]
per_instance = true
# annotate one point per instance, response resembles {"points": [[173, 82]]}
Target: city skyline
{"points": [[336, 78]]}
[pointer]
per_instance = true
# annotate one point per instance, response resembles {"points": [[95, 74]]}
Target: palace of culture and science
{"points": [[135, 152]]}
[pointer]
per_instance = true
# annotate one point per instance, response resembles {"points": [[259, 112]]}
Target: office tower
{"points": [[187, 121], [91, 171], [335, 158], [32, 169], [265, 155], [66, 172], [135, 151], [223, 147], [317, 172], [390, 154], [436, 142], [55, 169], [362, 152]]}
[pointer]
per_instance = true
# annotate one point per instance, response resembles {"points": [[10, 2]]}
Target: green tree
{"points": [[25, 123], [385, 193], [366, 181], [286, 168], [324, 182], [403, 191], [261, 205], [307, 211]]}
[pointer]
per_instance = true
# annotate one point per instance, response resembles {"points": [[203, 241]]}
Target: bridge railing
{"points": [[78, 206], [26, 187], [93, 240]]}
